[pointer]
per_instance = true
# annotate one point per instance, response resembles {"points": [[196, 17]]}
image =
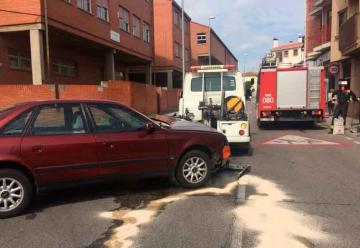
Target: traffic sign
{"points": [[334, 69]]}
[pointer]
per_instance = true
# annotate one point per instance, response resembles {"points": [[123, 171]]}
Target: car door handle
{"points": [[108, 145], [37, 149]]}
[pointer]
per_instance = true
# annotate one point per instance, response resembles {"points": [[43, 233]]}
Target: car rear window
{"points": [[5, 111]]}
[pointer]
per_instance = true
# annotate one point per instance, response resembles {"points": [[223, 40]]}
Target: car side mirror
{"points": [[150, 127]]}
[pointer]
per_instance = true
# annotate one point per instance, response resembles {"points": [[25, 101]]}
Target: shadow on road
{"points": [[129, 193], [301, 126]]}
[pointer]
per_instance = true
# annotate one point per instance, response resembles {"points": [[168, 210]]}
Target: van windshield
{"points": [[213, 83]]}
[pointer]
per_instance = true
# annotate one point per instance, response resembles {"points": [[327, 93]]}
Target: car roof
{"points": [[42, 102]]}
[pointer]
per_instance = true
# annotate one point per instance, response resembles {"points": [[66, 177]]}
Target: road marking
{"points": [[357, 142], [237, 233], [238, 226], [348, 138], [241, 194], [299, 140]]}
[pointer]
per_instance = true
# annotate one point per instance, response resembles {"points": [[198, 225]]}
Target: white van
{"points": [[224, 108]]}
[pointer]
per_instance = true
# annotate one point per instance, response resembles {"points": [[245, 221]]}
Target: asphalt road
{"points": [[303, 191]]}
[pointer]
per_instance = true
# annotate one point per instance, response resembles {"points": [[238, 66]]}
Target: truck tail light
{"points": [[316, 112], [226, 152], [242, 132]]}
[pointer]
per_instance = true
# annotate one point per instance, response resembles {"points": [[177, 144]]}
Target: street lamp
{"points": [[244, 55], [210, 18], [183, 41]]}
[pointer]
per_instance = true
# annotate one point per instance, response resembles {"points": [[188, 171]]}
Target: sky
{"points": [[248, 26]]}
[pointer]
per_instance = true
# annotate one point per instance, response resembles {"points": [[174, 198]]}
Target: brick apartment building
{"points": [[202, 47], [318, 35], [167, 70], [90, 41]]}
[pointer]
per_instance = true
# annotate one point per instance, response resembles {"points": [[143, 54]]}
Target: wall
{"points": [[337, 5], [166, 34], [144, 98], [72, 19], [17, 7], [68, 17], [218, 50]]}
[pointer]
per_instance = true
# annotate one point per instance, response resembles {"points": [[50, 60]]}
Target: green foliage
{"points": [[248, 85]]}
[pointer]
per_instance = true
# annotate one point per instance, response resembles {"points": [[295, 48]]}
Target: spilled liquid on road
{"points": [[264, 212]]}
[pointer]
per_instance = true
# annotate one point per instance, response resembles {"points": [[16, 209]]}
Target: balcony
{"points": [[349, 36], [320, 39], [322, 3]]}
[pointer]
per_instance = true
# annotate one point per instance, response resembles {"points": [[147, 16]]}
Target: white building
{"points": [[288, 54]]}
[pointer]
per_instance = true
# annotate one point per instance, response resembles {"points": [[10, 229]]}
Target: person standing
{"points": [[343, 97], [330, 102]]}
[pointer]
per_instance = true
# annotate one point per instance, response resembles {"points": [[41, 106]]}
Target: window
{"points": [[186, 27], [102, 9], [177, 19], [111, 118], [19, 59], [17, 126], [286, 54], [124, 19], [201, 38], [196, 84], [296, 52], [146, 30], [213, 83], [84, 5], [187, 56], [342, 17], [136, 27], [59, 119], [177, 49], [66, 68]]}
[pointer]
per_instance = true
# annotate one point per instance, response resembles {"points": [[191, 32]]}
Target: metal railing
{"points": [[349, 34]]}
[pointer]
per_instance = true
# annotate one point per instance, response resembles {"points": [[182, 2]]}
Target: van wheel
{"points": [[194, 169], [15, 193]]}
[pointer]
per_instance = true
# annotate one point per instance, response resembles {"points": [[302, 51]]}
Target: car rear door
{"points": [[58, 144], [124, 145]]}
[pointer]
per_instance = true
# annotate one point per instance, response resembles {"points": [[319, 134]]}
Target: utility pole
{"points": [[48, 66], [183, 41]]}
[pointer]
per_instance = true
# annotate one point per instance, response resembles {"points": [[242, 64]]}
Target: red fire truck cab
{"points": [[295, 94]]}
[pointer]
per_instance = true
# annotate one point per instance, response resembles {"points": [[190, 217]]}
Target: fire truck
{"points": [[291, 94], [214, 95]]}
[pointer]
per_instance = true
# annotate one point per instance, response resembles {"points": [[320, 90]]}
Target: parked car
{"points": [[51, 143]]}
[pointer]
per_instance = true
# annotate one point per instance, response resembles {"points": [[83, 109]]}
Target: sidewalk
{"points": [[353, 135]]}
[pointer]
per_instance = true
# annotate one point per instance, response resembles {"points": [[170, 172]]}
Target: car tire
{"points": [[16, 193], [194, 169]]}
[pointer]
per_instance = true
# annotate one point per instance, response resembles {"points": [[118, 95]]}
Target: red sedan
{"points": [[52, 143]]}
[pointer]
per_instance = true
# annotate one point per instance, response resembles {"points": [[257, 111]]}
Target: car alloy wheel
{"points": [[11, 194], [195, 170]]}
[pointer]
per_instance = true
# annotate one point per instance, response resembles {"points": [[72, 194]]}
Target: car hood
{"points": [[177, 124], [191, 126]]}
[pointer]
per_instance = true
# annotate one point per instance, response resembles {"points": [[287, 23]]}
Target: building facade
{"points": [[318, 36], [88, 41], [204, 45], [288, 54], [167, 70], [345, 41]]}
